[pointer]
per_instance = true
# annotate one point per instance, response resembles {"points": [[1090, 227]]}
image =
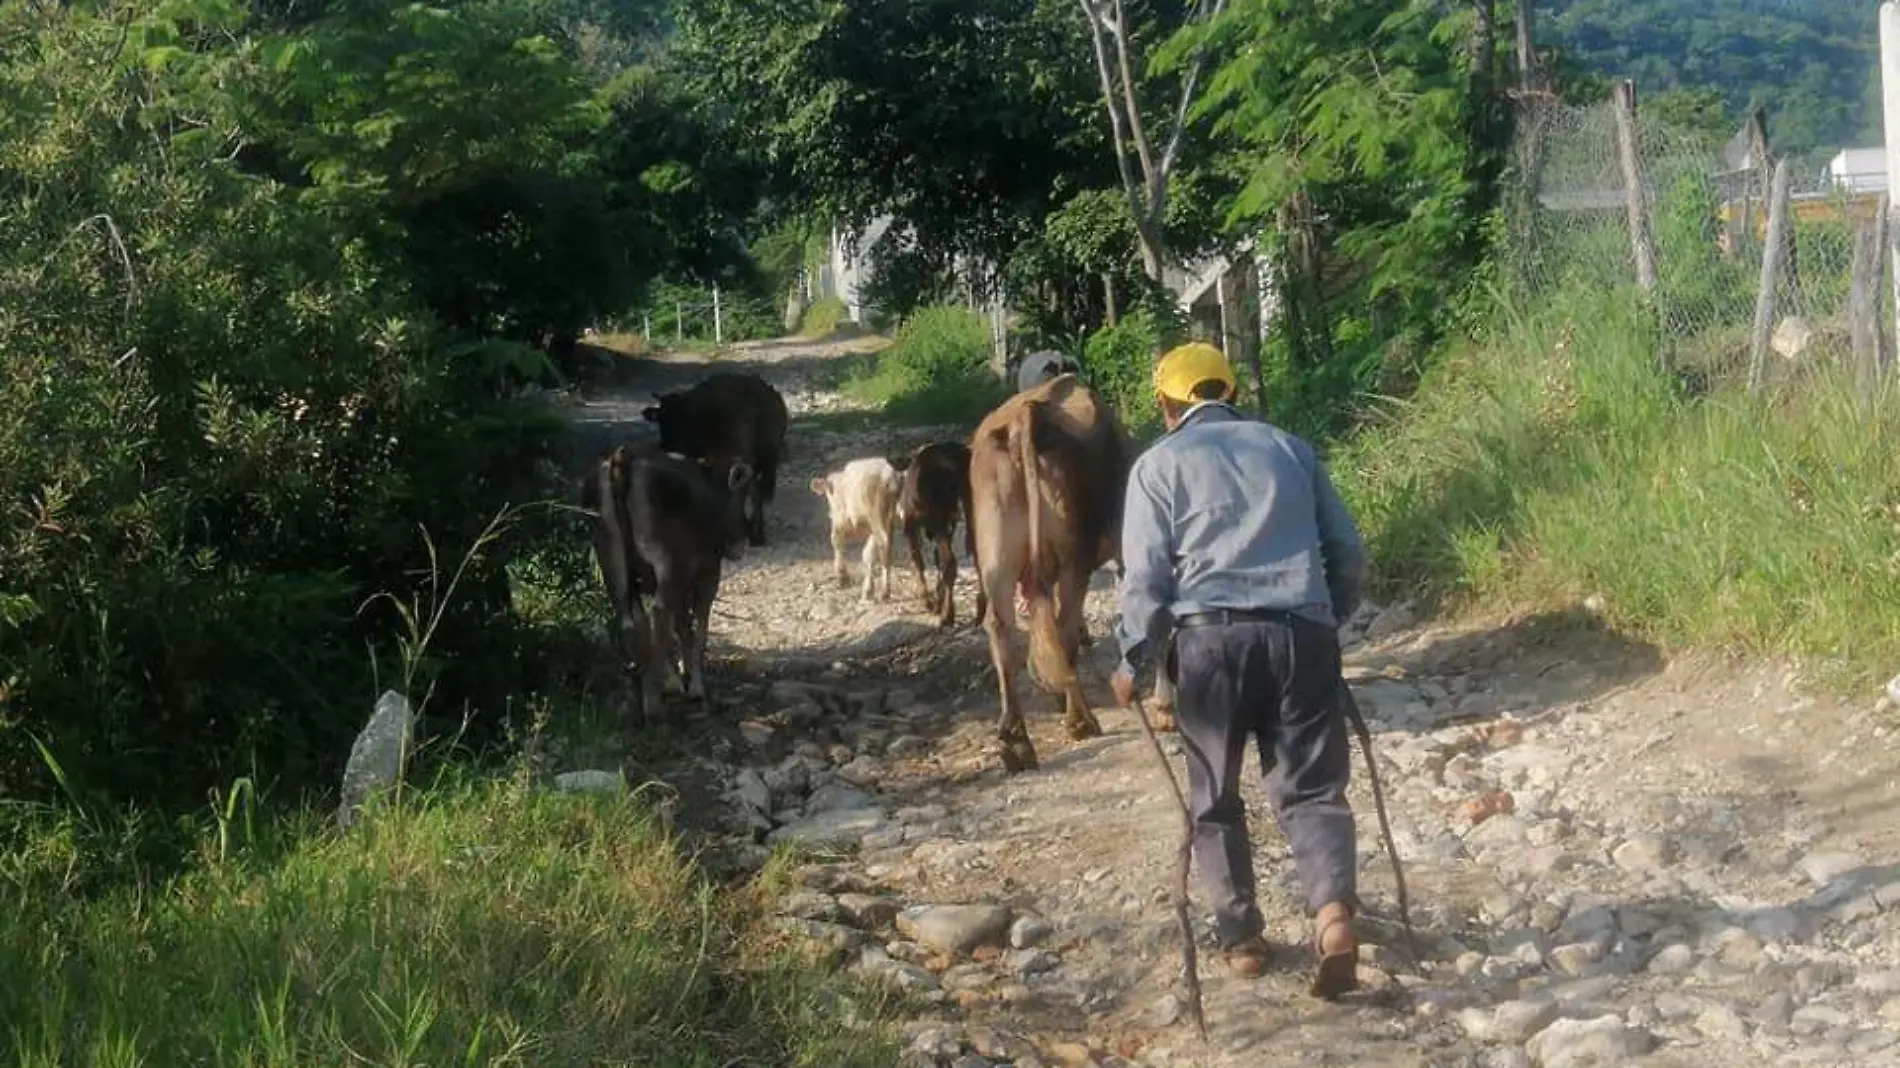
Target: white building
{"points": [[1859, 170]]}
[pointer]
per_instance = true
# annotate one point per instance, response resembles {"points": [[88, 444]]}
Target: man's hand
{"points": [[1124, 686]]}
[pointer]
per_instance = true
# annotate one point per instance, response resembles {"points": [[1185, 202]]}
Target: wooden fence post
{"points": [[719, 330], [1883, 240], [1863, 305], [1773, 249], [679, 322], [1626, 144]]}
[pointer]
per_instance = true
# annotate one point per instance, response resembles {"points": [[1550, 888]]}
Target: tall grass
{"points": [[484, 923], [935, 371], [1559, 461]]}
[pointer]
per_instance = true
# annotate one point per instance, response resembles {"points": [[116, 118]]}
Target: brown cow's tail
{"points": [[1047, 666]]}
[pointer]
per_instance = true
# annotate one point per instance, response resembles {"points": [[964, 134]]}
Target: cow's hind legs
{"points": [[1077, 715], [696, 642], [1012, 734], [947, 582], [913, 538]]}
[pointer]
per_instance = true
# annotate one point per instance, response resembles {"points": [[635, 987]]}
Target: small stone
{"points": [[1642, 855], [885, 838], [1891, 1011], [1504, 1057], [1775, 1011], [1574, 959], [1029, 931], [1515, 1022], [811, 905], [903, 974], [838, 797], [1602, 1042], [1720, 1021], [869, 912], [1776, 925], [1824, 868], [751, 790], [1165, 1011], [1485, 806], [1880, 984], [1468, 964], [757, 733], [1033, 961], [835, 829], [955, 928], [1671, 960], [970, 1060], [906, 745], [1816, 1019]]}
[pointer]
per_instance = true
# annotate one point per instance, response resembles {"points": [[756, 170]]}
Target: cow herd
{"points": [[1038, 488]]}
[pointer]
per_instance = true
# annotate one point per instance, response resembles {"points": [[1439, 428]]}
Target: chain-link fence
{"points": [[1704, 228]]}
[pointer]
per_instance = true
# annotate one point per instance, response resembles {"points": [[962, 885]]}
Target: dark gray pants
{"points": [[1276, 682]]}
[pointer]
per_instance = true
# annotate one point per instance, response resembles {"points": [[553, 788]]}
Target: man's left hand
{"points": [[1124, 686]]}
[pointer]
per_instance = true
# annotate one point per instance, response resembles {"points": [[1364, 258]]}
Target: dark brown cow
{"points": [[1047, 469], [728, 417], [936, 491], [664, 528]]}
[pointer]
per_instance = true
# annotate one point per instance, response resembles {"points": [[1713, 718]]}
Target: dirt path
{"points": [[1699, 863]]}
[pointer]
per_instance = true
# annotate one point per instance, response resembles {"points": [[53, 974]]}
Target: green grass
{"points": [[935, 371], [822, 318], [1558, 461], [482, 923]]}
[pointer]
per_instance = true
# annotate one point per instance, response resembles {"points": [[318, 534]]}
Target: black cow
{"points": [[728, 417], [665, 526], [936, 490]]}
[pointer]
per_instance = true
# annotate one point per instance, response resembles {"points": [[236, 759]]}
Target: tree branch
{"points": [[1092, 14], [1137, 132]]}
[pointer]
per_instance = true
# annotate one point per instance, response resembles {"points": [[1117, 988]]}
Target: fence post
{"points": [[1890, 115], [1863, 303], [679, 323], [646, 327], [719, 332], [1883, 240], [1773, 250], [1626, 144]]}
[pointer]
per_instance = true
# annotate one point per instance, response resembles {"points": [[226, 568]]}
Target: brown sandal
{"points": [[1338, 971], [1248, 957]]}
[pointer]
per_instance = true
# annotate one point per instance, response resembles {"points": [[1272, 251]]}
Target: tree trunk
{"points": [[1111, 313]]}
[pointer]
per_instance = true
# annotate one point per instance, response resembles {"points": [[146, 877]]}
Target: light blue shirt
{"points": [[1228, 511]]}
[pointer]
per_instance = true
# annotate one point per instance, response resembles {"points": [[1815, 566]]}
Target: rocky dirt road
{"points": [[1613, 859]]}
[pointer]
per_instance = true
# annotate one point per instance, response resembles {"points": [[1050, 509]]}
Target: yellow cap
{"points": [[1189, 365]]}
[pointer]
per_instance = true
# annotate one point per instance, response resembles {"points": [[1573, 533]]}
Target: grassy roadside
{"points": [[1556, 462], [479, 923]]}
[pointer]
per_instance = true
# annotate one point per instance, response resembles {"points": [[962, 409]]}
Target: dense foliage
{"points": [[1812, 64], [264, 283]]}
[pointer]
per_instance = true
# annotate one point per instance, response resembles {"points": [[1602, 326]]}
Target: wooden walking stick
{"points": [[1350, 706], [1189, 958]]}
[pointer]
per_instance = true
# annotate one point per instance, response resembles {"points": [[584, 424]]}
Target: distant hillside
{"points": [[1812, 63]]}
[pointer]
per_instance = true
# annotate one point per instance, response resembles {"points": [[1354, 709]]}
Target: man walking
{"points": [[1240, 561]]}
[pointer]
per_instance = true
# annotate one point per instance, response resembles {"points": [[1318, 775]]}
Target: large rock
{"points": [[955, 928], [837, 829], [1603, 1042]]}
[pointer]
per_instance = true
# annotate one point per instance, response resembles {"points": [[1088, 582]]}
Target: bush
{"points": [[1561, 462], [937, 370], [487, 924], [823, 317], [224, 424], [1118, 362]]}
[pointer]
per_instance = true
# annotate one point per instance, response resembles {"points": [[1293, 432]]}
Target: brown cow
{"points": [[1047, 471], [936, 490]]}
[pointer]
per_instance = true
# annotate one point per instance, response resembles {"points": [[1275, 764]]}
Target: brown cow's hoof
{"points": [[1161, 717], [1081, 730], [1018, 756]]}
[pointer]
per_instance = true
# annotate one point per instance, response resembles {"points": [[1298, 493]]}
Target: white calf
{"points": [[862, 497]]}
